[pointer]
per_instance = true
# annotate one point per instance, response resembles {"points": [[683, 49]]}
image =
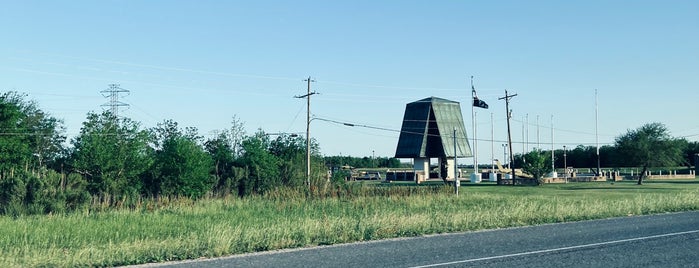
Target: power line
{"points": [[365, 126], [225, 74], [349, 124], [565, 130], [687, 136]]}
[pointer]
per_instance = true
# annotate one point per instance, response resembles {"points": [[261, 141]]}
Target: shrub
{"points": [[42, 192]]}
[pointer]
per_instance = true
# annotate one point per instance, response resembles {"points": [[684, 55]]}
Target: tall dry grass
{"points": [[175, 229]]}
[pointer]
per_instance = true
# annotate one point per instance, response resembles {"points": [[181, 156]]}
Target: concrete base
{"points": [[493, 177], [475, 177]]}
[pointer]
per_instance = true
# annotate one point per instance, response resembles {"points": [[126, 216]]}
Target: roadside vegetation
{"points": [[157, 230]]}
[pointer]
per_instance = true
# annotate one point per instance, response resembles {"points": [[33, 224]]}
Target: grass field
{"points": [[183, 229]]}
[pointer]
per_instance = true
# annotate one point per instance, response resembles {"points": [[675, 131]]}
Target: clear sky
{"points": [[202, 62]]}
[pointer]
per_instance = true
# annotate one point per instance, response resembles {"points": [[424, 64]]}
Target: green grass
{"points": [[184, 229]]}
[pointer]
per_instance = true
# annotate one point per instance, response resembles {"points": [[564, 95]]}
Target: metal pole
{"points": [[524, 150], [527, 138], [596, 133], [565, 163], [504, 154], [475, 143], [538, 140], [553, 158], [492, 144], [475, 133], [456, 176]]}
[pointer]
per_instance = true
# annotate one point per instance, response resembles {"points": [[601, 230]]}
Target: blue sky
{"points": [[202, 62]]}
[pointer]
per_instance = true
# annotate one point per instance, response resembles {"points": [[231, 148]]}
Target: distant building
{"points": [[428, 132]]}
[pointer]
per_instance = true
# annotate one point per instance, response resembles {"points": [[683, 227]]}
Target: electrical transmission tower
{"points": [[113, 94]]}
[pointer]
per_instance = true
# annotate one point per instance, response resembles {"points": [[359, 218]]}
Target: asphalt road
{"points": [[666, 240]]}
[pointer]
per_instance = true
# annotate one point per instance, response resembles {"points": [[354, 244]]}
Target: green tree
{"points": [[690, 149], [291, 152], [14, 148], [582, 156], [538, 164], [649, 146], [30, 136], [222, 155], [112, 154], [262, 166], [363, 162], [340, 176], [236, 134], [224, 149], [182, 167]]}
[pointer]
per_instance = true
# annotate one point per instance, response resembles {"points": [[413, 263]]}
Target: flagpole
{"points": [[476, 176], [596, 133], [524, 138], [456, 173], [553, 156], [473, 123], [527, 138], [492, 145], [538, 140]]}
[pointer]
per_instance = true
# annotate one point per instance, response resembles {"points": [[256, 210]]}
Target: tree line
{"points": [[363, 162], [650, 145], [115, 159]]}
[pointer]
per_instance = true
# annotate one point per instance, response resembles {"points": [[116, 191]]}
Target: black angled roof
{"points": [[428, 130]]}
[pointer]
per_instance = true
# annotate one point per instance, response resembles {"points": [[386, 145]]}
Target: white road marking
{"points": [[557, 249]]}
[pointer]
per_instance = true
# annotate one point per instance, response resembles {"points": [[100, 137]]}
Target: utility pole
{"points": [[308, 130], [113, 94], [509, 133]]}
